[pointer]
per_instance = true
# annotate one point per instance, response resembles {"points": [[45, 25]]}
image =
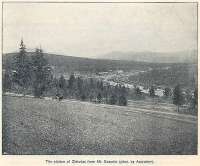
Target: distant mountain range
{"points": [[153, 57]]}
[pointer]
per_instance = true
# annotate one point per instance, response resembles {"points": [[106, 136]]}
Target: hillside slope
{"points": [[37, 126], [69, 63]]}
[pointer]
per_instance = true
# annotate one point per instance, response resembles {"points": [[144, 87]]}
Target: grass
{"points": [[38, 126]]}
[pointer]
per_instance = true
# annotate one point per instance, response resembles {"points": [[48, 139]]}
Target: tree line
{"points": [[33, 75]]}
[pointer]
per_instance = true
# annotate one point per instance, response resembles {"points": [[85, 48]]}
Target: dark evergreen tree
{"points": [[101, 85], [6, 81], [195, 99], [152, 91], [62, 87], [123, 90], [167, 92], [113, 99], [54, 87], [138, 92], [178, 98], [83, 97], [116, 90], [188, 96], [122, 100], [22, 68], [41, 73], [99, 98], [81, 91], [91, 96], [62, 82], [108, 91], [92, 83], [71, 82], [80, 84]]}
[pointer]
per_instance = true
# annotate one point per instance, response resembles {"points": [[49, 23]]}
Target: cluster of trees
{"points": [[179, 98], [28, 73], [90, 90], [176, 95], [32, 74]]}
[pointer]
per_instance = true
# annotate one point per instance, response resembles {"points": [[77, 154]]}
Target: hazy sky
{"points": [[94, 29]]}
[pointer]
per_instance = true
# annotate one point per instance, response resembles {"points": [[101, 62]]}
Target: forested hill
{"points": [[168, 74], [69, 63]]}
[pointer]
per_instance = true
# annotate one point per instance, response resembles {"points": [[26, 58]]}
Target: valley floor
{"points": [[38, 126]]}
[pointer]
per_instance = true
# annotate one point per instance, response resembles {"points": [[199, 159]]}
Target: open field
{"points": [[38, 126]]}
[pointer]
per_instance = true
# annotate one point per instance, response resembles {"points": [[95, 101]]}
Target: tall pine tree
{"points": [[22, 69], [6, 81], [62, 86], [152, 91], [195, 99], [41, 73], [167, 92], [178, 98]]}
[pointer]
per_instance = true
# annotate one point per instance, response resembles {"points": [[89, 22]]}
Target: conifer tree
{"points": [[113, 99], [99, 98], [80, 85], [71, 81], [178, 98], [167, 92], [138, 92], [62, 86], [195, 99], [41, 73], [152, 91], [6, 81], [62, 82], [122, 100], [22, 68]]}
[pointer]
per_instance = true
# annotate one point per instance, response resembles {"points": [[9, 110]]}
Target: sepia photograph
{"points": [[99, 78]]}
